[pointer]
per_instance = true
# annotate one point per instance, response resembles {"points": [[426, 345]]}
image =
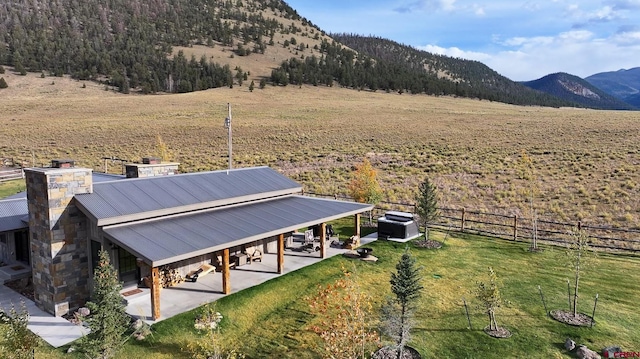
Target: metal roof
{"points": [[170, 239], [143, 198], [12, 212]]}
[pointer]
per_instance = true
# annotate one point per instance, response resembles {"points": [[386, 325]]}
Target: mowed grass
{"points": [[7, 188], [587, 162], [272, 320]]}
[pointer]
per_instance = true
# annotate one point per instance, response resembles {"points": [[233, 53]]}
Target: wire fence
{"points": [[512, 227]]}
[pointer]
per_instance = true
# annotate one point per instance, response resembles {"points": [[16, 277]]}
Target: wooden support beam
{"points": [[281, 253], [226, 282], [323, 239], [155, 293], [356, 230]]}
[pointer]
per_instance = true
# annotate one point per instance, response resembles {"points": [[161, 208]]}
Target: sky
{"points": [[520, 39]]}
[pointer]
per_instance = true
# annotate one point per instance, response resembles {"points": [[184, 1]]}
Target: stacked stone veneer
{"points": [[58, 232], [139, 170]]}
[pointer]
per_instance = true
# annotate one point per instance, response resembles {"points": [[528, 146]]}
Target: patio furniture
{"points": [[203, 270], [239, 259], [253, 254], [352, 242]]}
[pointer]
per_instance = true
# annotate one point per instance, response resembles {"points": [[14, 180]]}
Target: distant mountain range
{"points": [[575, 89], [623, 84]]}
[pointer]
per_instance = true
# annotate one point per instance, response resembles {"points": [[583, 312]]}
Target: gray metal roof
{"points": [[170, 239], [143, 198], [12, 212]]}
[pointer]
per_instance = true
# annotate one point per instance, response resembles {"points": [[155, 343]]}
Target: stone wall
{"points": [[58, 232], [139, 170]]}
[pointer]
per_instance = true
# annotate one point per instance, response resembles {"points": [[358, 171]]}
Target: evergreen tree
{"points": [[263, 83], [108, 320], [251, 86], [3, 83], [398, 313], [427, 204]]}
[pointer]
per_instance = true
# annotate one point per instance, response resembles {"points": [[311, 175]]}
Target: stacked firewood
{"points": [[170, 277]]}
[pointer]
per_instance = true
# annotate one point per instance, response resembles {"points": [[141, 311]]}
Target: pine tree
{"points": [[427, 204], [398, 313], [108, 320], [251, 86]]}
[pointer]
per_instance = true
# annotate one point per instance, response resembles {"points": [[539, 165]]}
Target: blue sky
{"points": [[521, 39]]}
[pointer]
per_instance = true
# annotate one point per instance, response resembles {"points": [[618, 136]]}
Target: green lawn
{"points": [[271, 320], [8, 188]]}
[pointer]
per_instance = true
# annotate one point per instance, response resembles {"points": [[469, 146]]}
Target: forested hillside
{"points": [[131, 45], [128, 42]]}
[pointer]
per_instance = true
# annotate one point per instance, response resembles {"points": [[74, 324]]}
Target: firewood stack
{"points": [[170, 277]]}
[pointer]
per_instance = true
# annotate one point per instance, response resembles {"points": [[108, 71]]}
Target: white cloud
{"points": [[455, 52]]}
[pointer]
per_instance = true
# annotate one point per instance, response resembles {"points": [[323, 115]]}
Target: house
{"points": [[152, 219]]}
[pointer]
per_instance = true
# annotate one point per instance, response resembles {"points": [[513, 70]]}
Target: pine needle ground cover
{"points": [[272, 320]]}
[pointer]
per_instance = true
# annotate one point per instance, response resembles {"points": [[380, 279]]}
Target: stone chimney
{"points": [[151, 167], [58, 234]]}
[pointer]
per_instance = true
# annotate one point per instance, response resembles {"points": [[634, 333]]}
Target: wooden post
{"points": [[155, 293], [226, 280], [579, 225], [462, 224], [356, 230], [280, 253], [515, 227], [323, 239]]}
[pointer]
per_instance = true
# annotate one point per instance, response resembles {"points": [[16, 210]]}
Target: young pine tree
{"points": [[398, 313], [427, 204], [108, 320]]}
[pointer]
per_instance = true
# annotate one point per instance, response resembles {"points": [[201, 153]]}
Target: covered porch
{"points": [[182, 243], [189, 295]]}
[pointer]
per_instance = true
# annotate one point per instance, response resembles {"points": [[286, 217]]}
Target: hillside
{"points": [[575, 89], [436, 74], [623, 84], [184, 46]]}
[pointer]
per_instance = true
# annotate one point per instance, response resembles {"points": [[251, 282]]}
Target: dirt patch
{"points": [[427, 243], [499, 332], [390, 353], [566, 317], [23, 286]]}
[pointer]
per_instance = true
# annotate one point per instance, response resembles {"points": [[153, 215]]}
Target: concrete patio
{"points": [[188, 295], [57, 331]]}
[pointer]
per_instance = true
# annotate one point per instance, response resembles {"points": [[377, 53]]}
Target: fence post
{"points": [[579, 225], [462, 224], [515, 227]]}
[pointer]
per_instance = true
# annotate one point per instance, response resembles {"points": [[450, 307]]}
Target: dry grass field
{"points": [[587, 162]]}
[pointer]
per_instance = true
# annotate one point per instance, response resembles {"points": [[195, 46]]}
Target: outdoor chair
{"points": [[253, 254], [203, 270]]}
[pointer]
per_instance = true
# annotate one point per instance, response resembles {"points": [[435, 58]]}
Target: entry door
{"points": [[127, 267], [23, 253]]}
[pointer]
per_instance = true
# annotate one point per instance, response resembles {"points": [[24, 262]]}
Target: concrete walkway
{"points": [[56, 331]]}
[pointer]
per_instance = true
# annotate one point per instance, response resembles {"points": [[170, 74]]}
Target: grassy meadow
{"points": [[586, 162]]}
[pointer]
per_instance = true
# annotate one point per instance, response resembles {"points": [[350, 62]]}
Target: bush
{"points": [[3, 83]]}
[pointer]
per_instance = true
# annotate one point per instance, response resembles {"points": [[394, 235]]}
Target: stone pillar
{"points": [[58, 236]]}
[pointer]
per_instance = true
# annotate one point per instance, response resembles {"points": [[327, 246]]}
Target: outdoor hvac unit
{"points": [[399, 225]]}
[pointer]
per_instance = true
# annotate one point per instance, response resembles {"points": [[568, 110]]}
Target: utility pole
{"points": [[227, 125]]}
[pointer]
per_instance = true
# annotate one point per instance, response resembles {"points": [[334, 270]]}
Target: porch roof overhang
{"points": [[170, 239]]}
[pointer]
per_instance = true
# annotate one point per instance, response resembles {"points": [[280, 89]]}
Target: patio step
{"points": [[143, 294]]}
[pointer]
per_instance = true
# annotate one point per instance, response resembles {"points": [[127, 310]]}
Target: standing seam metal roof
{"points": [[170, 239], [141, 198]]}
